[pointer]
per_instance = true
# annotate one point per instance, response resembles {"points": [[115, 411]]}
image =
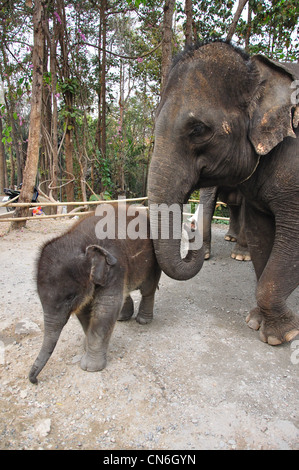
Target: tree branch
{"points": [[122, 56], [237, 15]]}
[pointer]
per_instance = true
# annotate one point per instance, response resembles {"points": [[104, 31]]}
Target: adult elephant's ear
{"points": [[272, 105]]}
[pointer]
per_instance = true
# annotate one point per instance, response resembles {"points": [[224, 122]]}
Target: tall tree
{"points": [[69, 90], [86, 95], [189, 17], [35, 113], [52, 38], [167, 40], [103, 77], [236, 18], [2, 162]]}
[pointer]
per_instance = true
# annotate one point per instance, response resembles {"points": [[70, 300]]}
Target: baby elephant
{"points": [[91, 278]]}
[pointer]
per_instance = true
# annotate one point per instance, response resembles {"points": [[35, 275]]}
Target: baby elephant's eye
{"points": [[70, 297]]}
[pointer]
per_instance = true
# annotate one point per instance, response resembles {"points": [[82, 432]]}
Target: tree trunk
{"points": [[68, 94], [233, 26], [16, 143], [248, 29], [45, 145], [188, 31], [98, 139], [54, 130], [10, 106], [35, 114], [82, 161], [99, 123], [103, 76], [2, 162], [69, 151], [121, 156], [167, 40]]}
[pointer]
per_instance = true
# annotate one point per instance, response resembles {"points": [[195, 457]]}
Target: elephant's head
{"points": [[219, 112]]}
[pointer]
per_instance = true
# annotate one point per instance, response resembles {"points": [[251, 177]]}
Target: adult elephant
{"points": [[226, 119], [236, 232]]}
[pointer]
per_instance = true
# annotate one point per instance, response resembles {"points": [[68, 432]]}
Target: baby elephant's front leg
{"points": [[104, 315]]}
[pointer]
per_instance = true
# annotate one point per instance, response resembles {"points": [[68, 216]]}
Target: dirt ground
{"points": [[195, 378]]}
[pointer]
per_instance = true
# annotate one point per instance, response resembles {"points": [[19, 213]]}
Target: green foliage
{"points": [[275, 28], [106, 196], [68, 85], [211, 19], [221, 211], [134, 30]]}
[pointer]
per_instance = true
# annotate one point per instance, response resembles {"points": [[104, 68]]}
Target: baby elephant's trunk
{"points": [[51, 336]]}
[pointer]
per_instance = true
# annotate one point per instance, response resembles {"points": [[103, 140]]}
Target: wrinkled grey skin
{"points": [[79, 274], [226, 119], [236, 232]]}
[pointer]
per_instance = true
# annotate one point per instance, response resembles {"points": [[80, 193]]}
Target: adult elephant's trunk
{"points": [[51, 335], [171, 186]]}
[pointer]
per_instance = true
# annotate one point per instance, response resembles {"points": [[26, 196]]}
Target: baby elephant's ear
{"points": [[101, 262]]}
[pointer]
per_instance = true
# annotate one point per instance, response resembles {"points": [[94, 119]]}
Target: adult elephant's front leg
{"points": [[105, 311], [240, 251], [208, 197], [275, 255]]}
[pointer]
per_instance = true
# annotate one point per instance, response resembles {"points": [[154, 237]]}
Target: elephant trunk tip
{"points": [[33, 375]]}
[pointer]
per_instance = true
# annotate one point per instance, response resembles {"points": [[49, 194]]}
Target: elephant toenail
{"points": [[290, 335], [273, 341], [253, 324]]}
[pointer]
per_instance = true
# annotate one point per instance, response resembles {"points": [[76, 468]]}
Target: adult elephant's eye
{"points": [[199, 130], [200, 133]]}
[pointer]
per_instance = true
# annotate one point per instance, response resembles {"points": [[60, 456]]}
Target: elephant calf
{"points": [[80, 274]]}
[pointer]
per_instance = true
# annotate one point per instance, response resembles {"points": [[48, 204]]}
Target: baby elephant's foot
{"points": [[93, 363]]}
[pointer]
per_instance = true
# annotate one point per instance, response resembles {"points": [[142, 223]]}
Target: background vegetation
{"points": [[102, 66]]}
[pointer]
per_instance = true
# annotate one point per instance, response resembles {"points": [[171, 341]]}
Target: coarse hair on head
{"points": [[189, 50]]}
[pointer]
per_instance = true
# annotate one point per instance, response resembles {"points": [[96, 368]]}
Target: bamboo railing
{"points": [[6, 218]]}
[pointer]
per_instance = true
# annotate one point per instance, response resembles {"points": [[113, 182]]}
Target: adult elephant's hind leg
{"points": [[148, 290], [127, 310]]}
